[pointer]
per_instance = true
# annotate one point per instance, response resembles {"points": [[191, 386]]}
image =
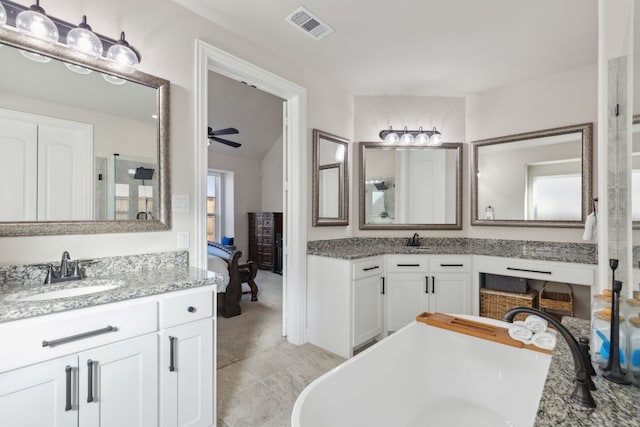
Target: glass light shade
{"points": [[339, 153], [123, 55], [3, 15], [406, 137], [36, 23], [84, 40], [77, 69], [113, 79], [422, 137], [36, 57], [391, 136], [436, 138]]}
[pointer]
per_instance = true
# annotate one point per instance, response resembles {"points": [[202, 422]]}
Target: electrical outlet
{"points": [[183, 239]]}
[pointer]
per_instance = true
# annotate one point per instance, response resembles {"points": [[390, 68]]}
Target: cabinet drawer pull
{"points": [[172, 350], [528, 271], [382, 285], [451, 265], [89, 381], [67, 406], [77, 337], [191, 309], [408, 265], [371, 268]]}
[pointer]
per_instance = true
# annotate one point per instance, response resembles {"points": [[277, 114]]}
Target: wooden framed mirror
{"points": [[330, 179], [534, 179], [410, 187]]}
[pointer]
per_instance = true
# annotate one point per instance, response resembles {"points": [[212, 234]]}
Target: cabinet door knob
{"points": [[191, 309]]}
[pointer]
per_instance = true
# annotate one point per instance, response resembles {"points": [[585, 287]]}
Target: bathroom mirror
{"points": [[534, 179], [330, 179], [635, 173], [410, 187], [88, 156]]}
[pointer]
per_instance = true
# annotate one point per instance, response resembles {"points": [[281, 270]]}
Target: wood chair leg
{"points": [[254, 289]]}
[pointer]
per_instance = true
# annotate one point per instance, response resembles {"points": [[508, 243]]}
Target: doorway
{"points": [[209, 58]]}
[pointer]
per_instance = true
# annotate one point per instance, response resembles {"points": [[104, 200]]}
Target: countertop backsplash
{"points": [[361, 247], [36, 273]]}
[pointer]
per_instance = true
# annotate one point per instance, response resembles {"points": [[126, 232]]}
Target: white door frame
{"points": [[209, 58]]}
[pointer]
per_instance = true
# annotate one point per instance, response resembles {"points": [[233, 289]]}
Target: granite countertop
{"points": [[617, 405], [131, 284], [362, 247]]}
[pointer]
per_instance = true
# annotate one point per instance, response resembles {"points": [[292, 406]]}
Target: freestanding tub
{"points": [[428, 376]]}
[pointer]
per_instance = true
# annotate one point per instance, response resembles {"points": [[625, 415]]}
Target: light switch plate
{"points": [[183, 240], [180, 203]]}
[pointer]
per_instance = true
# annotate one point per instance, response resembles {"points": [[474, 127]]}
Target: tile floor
{"points": [[259, 373]]}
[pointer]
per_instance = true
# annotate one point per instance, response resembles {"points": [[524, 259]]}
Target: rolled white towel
{"points": [[520, 333], [590, 227], [536, 323], [546, 340]]}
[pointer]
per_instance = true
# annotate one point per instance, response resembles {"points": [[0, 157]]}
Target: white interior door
{"points": [[18, 169], [64, 172]]}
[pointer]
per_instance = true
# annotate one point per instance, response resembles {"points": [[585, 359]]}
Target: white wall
{"points": [[374, 113], [246, 192], [563, 99], [271, 167], [165, 34]]}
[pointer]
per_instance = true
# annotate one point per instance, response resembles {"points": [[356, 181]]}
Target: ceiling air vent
{"points": [[309, 24]]}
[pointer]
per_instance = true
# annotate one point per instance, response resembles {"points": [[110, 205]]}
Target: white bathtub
{"points": [[427, 376]]}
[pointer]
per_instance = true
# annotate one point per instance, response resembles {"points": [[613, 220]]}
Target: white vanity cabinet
{"points": [[418, 283], [186, 355], [103, 366], [345, 302], [368, 289]]}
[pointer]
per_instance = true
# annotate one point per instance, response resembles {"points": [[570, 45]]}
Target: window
{"points": [[214, 206]]}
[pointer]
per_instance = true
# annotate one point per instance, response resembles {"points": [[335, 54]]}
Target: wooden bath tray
{"points": [[475, 329]]}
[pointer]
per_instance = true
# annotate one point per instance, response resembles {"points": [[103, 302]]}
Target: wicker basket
{"points": [[494, 304], [557, 301]]}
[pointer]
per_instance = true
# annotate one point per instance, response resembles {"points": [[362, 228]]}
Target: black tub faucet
{"points": [[581, 393]]}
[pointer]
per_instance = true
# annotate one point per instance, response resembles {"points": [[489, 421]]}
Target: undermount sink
{"points": [[92, 287]]}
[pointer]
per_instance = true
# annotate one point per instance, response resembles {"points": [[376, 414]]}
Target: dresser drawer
{"points": [[184, 308], [367, 268], [42, 338]]}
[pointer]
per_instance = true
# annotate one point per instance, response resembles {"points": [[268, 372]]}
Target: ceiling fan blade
{"points": [[225, 131], [226, 142]]}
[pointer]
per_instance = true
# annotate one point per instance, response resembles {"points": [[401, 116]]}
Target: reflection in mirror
{"points": [[533, 179], [635, 173], [330, 179], [410, 187], [71, 144]]}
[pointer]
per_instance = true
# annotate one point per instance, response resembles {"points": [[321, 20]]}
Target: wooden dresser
{"points": [[265, 236]]}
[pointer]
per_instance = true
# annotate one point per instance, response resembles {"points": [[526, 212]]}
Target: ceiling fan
{"points": [[213, 135]]}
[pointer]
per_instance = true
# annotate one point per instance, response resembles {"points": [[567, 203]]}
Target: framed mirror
{"points": [[534, 179], [330, 179], [85, 145], [410, 187]]}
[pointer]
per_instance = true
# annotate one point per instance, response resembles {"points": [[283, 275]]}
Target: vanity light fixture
{"points": [[84, 40], [420, 136], [81, 38], [3, 15], [122, 54], [34, 21]]}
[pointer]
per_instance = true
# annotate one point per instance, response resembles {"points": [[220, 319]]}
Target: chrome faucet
{"points": [[414, 241], [581, 361], [63, 274]]}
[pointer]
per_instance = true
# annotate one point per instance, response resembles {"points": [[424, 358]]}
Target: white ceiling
{"points": [[420, 47]]}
